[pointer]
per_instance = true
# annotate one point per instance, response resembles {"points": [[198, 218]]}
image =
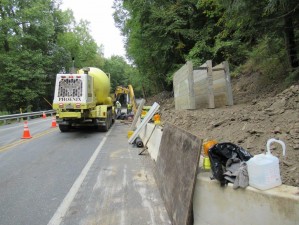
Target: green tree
{"points": [[288, 11], [37, 40], [162, 35], [256, 19], [116, 66], [80, 44], [25, 28], [158, 35]]}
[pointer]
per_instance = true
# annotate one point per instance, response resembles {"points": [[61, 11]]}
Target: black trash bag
{"points": [[220, 153]]}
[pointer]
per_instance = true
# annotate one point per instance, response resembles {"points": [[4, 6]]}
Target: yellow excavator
{"points": [[120, 90]]}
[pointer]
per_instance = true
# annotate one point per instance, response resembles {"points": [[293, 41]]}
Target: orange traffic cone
{"points": [[26, 133], [44, 115], [54, 122]]}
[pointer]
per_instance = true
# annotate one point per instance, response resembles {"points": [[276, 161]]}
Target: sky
{"points": [[99, 14]]}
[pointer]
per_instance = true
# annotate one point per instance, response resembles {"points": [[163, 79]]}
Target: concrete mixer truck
{"points": [[83, 99]]}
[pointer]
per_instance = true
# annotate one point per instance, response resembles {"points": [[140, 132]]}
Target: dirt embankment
{"points": [[258, 114]]}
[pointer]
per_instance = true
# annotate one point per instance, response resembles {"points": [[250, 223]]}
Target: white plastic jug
{"points": [[263, 169]]}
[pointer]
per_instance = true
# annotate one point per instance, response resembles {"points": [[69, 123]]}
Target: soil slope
{"points": [[259, 113]]}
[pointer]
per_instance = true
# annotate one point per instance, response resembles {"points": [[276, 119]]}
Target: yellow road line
{"points": [[16, 143]]}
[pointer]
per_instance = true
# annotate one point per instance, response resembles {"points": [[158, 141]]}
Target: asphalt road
{"points": [[79, 177], [13, 132]]}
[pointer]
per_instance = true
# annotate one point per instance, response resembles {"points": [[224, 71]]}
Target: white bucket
{"points": [[263, 169]]}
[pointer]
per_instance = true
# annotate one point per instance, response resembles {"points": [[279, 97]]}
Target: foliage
{"points": [[25, 78], [122, 74], [259, 19], [24, 51], [116, 67], [268, 52], [38, 40], [158, 37], [163, 35], [80, 44]]}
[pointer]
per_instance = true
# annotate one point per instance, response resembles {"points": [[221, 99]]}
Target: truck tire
{"points": [[108, 121], [64, 128], [110, 118], [102, 128]]}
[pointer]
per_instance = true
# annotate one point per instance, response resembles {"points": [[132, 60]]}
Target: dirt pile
{"points": [[249, 123]]}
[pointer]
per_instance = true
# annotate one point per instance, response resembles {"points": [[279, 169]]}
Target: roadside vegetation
{"points": [[39, 40], [253, 35]]}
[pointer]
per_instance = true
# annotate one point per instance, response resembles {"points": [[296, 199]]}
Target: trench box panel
{"points": [[176, 171]]}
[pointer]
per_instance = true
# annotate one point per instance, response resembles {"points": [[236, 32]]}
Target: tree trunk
{"points": [[290, 41], [143, 91]]}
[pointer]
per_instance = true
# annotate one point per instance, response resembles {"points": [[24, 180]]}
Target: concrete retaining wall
{"points": [[183, 87], [203, 87], [213, 205]]}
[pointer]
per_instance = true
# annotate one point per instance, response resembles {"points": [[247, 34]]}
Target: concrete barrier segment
{"points": [[145, 120], [213, 205], [151, 136]]}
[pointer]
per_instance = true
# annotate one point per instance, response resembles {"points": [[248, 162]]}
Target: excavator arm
{"points": [[128, 91]]}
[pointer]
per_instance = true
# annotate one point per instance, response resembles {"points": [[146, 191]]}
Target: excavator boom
{"points": [[128, 91]]}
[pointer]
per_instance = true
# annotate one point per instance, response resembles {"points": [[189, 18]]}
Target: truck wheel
{"points": [[101, 128], [108, 121], [106, 127], [64, 128]]}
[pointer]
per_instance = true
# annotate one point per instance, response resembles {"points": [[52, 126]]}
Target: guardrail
{"points": [[25, 115]]}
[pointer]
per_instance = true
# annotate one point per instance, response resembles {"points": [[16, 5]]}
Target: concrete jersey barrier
{"points": [[213, 205]]}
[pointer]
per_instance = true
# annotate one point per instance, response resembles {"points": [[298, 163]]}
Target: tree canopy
{"points": [[39, 40], [163, 35]]}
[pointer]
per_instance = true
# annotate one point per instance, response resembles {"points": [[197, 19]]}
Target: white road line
{"points": [[64, 206], [122, 215]]}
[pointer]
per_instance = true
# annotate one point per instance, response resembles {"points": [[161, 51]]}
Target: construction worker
{"points": [[118, 108], [129, 108]]}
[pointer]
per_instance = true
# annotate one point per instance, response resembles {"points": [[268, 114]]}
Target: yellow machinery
{"points": [[129, 92], [83, 99]]}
